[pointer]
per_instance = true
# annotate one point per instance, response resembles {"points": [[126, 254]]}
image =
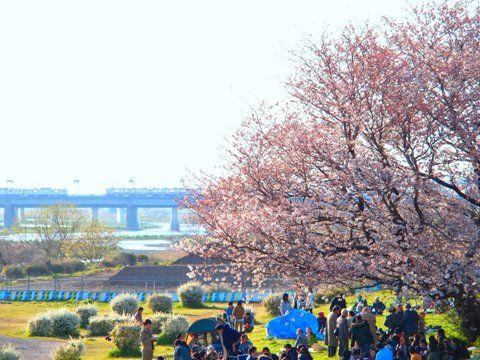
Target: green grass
{"points": [[14, 316]]}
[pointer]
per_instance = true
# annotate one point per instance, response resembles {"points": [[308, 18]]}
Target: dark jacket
{"points": [[339, 302], [230, 336], [182, 352], [360, 333], [394, 321], [410, 322]]}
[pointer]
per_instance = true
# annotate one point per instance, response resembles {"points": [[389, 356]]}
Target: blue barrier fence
{"points": [[106, 296]]}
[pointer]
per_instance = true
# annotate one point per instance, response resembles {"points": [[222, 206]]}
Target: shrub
{"points": [[190, 294], [160, 303], [124, 304], [72, 350], [158, 322], [218, 287], [13, 272], [126, 338], [173, 326], [142, 258], [64, 322], [40, 325], [8, 352], [103, 325], [86, 312], [37, 269], [67, 266], [125, 259], [272, 304]]}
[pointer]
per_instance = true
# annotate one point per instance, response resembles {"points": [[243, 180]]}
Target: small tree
{"points": [[95, 242]]}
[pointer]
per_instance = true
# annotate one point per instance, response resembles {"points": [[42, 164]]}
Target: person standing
{"points": [[360, 334], [229, 313], [342, 333], [338, 301], [371, 319], [238, 314], [284, 305], [147, 339], [229, 338], [410, 321], [310, 302], [330, 339]]}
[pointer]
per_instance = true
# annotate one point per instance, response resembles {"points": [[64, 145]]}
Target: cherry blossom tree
{"points": [[370, 173]]}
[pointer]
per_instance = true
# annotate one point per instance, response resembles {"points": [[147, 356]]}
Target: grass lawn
{"points": [[14, 316]]}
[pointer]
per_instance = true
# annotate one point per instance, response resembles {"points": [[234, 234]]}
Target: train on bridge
{"points": [[12, 200]]}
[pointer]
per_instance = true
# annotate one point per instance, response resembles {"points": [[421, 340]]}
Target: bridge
{"points": [[131, 199]]}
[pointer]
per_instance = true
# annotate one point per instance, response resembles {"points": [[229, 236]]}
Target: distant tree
{"points": [[94, 242], [55, 227]]}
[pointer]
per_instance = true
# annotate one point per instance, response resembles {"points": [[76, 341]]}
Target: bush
{"points": [[125, 259], [272, 304], [72, 350], [86, 312], [218, 287], [158, 322], [8, 352], [67, 266], [64, 322], [173, 326], [190, 294], [13, 272], [124, 304], [126, 338], [103, 325], [142, 258], [40, 325], [160, 303], [37, 269]]}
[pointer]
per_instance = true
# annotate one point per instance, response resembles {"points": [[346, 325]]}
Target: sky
{"points": [[105, 91]]}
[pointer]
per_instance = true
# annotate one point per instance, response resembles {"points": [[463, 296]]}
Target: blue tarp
{"points": [[285, 327]]}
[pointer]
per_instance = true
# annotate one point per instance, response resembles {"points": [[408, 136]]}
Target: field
{"points": [[14, 316]]}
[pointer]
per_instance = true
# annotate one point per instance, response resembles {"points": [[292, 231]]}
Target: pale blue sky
{"points": [[108, 90]]}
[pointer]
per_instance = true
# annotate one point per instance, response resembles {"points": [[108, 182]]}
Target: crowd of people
{"points": [[350, 333], [354, 334]]}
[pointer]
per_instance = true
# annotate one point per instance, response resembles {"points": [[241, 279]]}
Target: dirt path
{"points": [[31, 348]]}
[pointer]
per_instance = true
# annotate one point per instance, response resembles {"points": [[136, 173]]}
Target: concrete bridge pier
{"points": [[174, 221], [9, 216], [94, 214], [20, 214], [132, 218], [120, 215]]}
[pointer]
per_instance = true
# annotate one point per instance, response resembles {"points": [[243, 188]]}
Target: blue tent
{"points": [[285, 327]]}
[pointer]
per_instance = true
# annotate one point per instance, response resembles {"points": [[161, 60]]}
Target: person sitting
{"points": [[137, 317], [248, 322], [303, 353], [289, 353], [266, 352], [322, 322], [252, 353], [301, 339], [182, 351], [211, 354], [414, 355], [385, 352], [244, 345], [378, 307], [311, 337]]}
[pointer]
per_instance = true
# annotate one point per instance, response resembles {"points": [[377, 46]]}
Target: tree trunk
{"points": [[468, 308]]}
